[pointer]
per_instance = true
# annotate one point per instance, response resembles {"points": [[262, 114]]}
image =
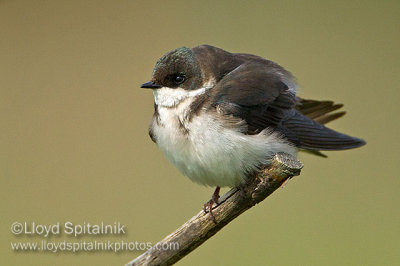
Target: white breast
{"points": [[209, 153]]}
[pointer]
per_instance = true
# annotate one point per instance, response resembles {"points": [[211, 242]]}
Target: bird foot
{"points": [[210, 203]]}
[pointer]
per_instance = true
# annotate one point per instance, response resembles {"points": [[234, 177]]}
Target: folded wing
{"points": [[257, 95]]}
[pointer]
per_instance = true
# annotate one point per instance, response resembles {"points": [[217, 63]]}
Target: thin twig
{"points": [[236, 201]]}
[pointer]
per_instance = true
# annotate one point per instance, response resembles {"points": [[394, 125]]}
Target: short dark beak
{"points": [[150, 85]]}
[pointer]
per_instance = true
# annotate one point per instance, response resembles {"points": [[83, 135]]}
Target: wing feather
{"points": [[261, 98]]}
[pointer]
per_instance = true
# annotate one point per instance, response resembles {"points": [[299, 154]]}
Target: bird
{"points": [[219, 116]]}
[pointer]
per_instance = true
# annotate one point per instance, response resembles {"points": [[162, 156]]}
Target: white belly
{"points": [[209, 153]]}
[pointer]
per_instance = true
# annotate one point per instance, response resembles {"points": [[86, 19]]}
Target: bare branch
{"points": [[236, 201]]}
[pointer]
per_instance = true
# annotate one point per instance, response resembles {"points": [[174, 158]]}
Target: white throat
{"points": [[168, 97]]}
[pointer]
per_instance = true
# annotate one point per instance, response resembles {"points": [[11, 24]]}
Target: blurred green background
{"points": [[74, 143]]}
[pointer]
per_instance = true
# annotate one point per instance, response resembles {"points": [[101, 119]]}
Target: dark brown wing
{"points": [[307, 134], [258, 96], [249, 92]]}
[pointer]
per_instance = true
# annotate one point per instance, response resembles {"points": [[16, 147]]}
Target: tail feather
{"points": [[324, 119], [304, 127], [319, 111]]}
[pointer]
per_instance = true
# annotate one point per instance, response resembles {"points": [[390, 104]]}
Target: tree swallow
{"points": [[220, 116]]}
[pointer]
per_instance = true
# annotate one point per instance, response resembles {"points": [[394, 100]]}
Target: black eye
{"points": [[179, 78]]}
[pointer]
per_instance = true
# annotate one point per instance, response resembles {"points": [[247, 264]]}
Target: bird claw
{"points": [[210, 203], [285, 183]]}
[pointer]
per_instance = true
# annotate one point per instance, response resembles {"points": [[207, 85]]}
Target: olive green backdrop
{"points": [[74, 143]]}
